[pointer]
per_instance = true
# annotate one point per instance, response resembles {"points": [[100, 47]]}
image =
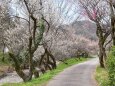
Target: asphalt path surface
{"points": [[78, 75]]}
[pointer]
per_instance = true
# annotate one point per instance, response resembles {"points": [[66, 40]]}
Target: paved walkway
{"points": [[77, 75]]}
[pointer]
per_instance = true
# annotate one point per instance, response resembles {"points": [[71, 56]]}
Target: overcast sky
{"points": [[70, 13]]}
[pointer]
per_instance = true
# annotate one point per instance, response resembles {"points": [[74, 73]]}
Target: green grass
{"points": [[101, 76], [43, 79]]}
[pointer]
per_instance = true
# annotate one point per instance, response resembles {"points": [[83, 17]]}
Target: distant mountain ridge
{"points": [[85, 28]]}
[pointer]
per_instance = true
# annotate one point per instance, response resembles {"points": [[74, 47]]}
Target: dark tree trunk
{"points": [[34, 41], [112, 7], [101, 54], [113, 29], [3, 57], [52, 58], [30, 59], [36, 73], [102, 38], [50, 62], [18, 68]]}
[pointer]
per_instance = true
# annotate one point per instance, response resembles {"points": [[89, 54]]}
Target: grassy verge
{"points": [[101, 76], [43, 79]]}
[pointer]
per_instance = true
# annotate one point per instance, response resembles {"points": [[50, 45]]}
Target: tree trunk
{"points": [[50, 62], [18, 68], [113, 30], [53, 59], [101, 54], [3, 51], [30, 59], [112, 7], [102, 39]]}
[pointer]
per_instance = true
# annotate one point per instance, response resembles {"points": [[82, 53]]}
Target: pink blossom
{"points": [[94, 14]]}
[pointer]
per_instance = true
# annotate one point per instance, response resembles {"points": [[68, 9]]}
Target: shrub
{"points": [[6, 59], [111, 66]]}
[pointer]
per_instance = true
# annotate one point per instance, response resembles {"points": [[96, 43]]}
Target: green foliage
{"points": [[111, 66], [101, 76], [4, 64], [6, 58], [43, 79]]}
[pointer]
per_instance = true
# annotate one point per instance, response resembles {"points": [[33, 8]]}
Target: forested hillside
{"points": [[85, 28]]}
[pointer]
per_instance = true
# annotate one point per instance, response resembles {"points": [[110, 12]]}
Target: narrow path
{"points": [[77, 75]]}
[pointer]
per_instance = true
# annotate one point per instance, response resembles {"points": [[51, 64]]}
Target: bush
{"points": [[6, 59], [111, 66]]}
